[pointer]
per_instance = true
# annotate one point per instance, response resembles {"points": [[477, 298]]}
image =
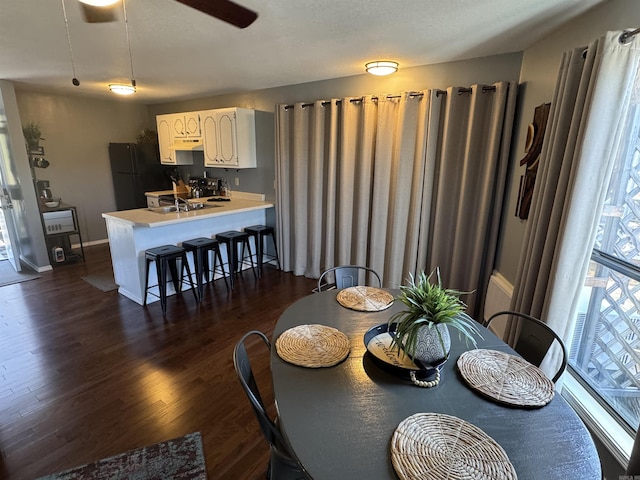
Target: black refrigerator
{"points": [[136, 169]]}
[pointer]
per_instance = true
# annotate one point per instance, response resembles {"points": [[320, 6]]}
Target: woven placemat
{"points": [[313, 346], [505, 378], [364, 299], [434, 446]]}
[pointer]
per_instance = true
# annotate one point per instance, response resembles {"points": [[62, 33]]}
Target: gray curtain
{"points": [[470, 186], [593, 93], [364, 181]]}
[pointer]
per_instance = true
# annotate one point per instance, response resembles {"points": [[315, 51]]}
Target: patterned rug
{"points": [[181, 458]]}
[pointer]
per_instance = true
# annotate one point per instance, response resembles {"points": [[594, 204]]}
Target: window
{"points": [[605, 349]]}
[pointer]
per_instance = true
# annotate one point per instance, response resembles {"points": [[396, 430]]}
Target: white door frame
{"points": [[7, 221]]}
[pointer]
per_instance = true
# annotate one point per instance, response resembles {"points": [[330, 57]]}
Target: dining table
{"points": [[340, 420]]}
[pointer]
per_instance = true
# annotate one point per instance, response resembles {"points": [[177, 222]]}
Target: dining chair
{"points": [[345, 276], [534, 340], [283, 464]]}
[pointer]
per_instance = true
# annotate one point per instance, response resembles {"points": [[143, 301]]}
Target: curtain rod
{"points": [[411, 94], [626, 36]]}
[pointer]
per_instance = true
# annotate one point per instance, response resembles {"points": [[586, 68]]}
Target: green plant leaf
{"points": [[428, 304]]}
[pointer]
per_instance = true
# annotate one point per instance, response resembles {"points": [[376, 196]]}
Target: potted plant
{"points": [[32, 134], [147, 136], [421, 330]]}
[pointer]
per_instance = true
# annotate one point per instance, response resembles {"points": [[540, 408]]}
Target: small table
{"points": [[340, 420], [60, 224]]}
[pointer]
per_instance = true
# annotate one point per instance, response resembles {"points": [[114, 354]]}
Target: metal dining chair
{"points": [[283, 465], [535, 338], [346, 276]]}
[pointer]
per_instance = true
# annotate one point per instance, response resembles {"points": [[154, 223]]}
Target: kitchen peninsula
{"points": [[131, 232]]}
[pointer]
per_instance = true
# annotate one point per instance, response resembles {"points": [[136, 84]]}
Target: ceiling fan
{"points": [[99, 11]]}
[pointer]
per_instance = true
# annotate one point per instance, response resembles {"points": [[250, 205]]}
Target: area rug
{"points": [[9, 276], [102, 281], [181, 458]]}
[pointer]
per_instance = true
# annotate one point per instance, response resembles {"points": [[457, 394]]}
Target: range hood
{"points": [[187, 144]]}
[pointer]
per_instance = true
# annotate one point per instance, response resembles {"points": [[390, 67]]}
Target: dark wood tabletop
{"points": [[340, 420]]}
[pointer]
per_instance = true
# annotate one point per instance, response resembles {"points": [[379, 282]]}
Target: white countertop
{"points": [[143, 217]]}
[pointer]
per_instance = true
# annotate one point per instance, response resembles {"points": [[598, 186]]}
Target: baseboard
{"points": [[33, 267], [91, 243]]}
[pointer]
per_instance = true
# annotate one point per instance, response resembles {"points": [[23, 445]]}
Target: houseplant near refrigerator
{"points": [[422, 328]]}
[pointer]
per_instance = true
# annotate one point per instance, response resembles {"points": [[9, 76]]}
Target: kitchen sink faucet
{"points": [[184, 202]]}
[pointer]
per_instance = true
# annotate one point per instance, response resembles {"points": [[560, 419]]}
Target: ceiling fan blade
{"points": [[99, 14], [225, 10]]}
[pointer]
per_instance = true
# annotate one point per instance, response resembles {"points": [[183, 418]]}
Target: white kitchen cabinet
{"points": [[169, 127], [164, 125], [192, 125], [229, 138], [186, 125], [178, 129]]}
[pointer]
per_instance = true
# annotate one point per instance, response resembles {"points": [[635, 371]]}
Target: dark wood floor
{"points": [[86, 374]]}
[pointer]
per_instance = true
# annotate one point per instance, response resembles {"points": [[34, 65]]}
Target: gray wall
{"points": [[254, 180], [261, 180], [538, 77], [77, 131]]}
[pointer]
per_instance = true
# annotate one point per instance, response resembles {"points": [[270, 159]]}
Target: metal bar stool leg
{"points": [[232, 240], [146, 281], [185, 264], [248, 245], [175, 278], [259, 239], [199, 259], [217, 258], [275, 248], [231, 261], [161, 270], [260, 233]]}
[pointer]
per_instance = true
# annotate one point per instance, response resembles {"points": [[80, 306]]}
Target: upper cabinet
{"points": [[186, 125], [165, 126], [229, 138], [177, 127]]}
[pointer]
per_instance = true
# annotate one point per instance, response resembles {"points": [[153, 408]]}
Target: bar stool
{"points": [[200, 248], [259, 233], [232, 239], [165, 257]]}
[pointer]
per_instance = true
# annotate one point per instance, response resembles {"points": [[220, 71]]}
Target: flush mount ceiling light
{"points": [[122, 88], [100, 3], [382, 67]]}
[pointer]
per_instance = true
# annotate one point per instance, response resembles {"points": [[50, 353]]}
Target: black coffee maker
{"points": [[43, 189]]}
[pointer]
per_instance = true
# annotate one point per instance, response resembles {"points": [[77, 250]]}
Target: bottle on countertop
{"points": [[225, 190]]}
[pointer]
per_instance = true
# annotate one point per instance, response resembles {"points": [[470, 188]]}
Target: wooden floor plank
{"points": [[86, 374]]}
